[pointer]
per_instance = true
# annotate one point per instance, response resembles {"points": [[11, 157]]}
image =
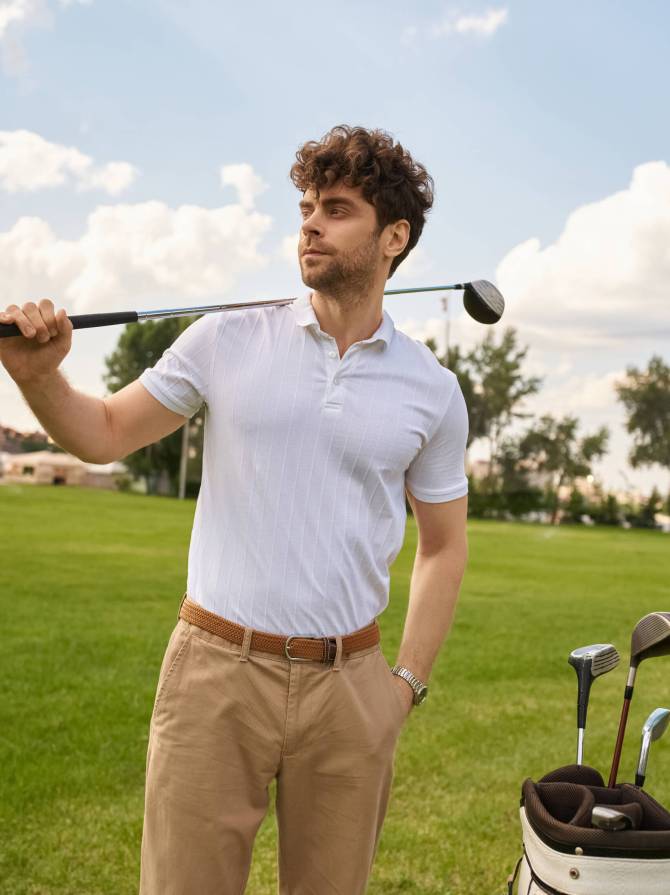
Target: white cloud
{"points": [[289, 248], [128, 251], [417, 264], [243, 179], [18, 16], [586, 395], [484, 25], [15, 17], [13, 12], [28, 162], [604, 280]]}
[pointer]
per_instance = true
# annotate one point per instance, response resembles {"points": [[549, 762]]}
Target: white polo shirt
{"points": [[301, 509]]}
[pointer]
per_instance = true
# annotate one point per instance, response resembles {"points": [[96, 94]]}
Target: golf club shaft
{"points": [[580, 745], [616, 758], [86, 321]]}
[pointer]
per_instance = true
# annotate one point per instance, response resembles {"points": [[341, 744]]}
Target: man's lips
{"points": [[313, 252]]}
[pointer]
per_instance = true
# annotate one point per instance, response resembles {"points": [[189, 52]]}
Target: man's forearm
{"points": [[77, 422], [436, 580]]}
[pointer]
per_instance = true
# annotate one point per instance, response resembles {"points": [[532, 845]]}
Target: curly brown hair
{"points": [[390, 179]]}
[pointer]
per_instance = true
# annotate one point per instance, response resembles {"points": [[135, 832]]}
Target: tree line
{"points": [[532, 461], [531, 466]]}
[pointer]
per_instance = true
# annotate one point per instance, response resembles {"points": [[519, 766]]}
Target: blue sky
{"points": [[532, 118]]}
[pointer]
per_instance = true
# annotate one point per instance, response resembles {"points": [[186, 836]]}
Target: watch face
{"points": [[421, 695]]}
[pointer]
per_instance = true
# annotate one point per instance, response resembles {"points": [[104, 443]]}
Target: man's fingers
{"points": [[46, 307], [38, 322], [31, 311], [63, 322], [14, 314]]}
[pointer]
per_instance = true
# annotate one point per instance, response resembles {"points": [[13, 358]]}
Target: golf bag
{"points": [[563, 854]]}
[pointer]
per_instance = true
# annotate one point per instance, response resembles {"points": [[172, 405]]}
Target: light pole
{"points": [[447, 327]]}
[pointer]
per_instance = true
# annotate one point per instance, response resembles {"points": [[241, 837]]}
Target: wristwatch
{"points": [[420, 689]]}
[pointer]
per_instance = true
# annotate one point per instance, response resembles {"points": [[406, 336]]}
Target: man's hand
{"points": [[405, 693], [46, 338]]}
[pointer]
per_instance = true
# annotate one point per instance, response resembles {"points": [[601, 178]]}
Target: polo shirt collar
{"points": [[305, 316]]}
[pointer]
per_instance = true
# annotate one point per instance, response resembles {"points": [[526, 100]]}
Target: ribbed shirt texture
{"points": [[301, 510]]}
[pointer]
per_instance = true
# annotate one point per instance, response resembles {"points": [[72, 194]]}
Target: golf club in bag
{"points": [[581, 837], [481, 299]]}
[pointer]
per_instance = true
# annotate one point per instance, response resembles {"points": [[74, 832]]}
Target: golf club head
{"points": [[483, 302], [605, 818], [650, 638], [590, 662], [652, 729]]}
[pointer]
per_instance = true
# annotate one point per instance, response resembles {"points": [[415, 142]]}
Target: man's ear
{"points": [[396, 236]]}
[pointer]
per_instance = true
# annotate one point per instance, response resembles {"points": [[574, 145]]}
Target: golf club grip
{"points": [[80, 321], [619, 743]]}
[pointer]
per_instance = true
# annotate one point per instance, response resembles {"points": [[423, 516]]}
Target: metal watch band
{"points": [[420, 689]]}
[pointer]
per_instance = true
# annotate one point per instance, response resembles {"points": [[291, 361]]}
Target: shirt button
{"points": [[332, 354]]}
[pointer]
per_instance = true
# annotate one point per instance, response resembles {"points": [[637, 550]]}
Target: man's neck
{"points": [[351, 318]]}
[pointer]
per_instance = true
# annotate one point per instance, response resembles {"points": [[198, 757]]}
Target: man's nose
{"points": [[312, 223]]}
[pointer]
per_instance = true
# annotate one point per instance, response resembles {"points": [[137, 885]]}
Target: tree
{"points": [[552, 446], [646, 515], [607, 511], [139, 347], [576, 507], [493, 386], [645, 395]]}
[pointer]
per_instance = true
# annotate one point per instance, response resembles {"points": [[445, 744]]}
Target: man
{"points": [[320, 418]]}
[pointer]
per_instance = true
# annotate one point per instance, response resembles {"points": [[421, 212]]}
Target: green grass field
{"points": [[91, 584]]}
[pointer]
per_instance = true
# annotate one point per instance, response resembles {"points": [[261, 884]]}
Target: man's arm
{"points": [[439, 564], [97, 430]]}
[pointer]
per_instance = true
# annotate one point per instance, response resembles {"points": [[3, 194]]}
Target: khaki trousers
{"points": [[226, 721]]}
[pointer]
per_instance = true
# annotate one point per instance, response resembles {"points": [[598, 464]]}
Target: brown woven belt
{"points": [[316, 649]]}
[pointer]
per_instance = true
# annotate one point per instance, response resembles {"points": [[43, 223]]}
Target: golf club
{"points": [[483, 302], [605, 818], [589, 662], [650, 638], [653, 729]]}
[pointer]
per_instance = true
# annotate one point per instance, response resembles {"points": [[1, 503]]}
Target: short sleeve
{"points": [[180, 378], [437, 473]]}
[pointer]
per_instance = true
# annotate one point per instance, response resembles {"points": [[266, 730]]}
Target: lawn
{"points": [[91, 583]]}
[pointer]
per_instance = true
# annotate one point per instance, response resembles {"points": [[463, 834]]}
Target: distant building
{"points": [[50, 468], [14, 442]]}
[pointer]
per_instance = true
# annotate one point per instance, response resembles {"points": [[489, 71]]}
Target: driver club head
{"points": [[650, 637], [483, 302]]}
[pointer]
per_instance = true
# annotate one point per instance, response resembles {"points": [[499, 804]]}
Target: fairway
{"points": [[91, 585]]}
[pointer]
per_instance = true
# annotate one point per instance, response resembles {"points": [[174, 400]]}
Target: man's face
{"points": [[339, 245]]}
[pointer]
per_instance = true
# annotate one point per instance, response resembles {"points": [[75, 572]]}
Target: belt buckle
{"points": [[286, 649]]}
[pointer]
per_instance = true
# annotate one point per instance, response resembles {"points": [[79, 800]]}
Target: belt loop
{"points": [[338, 653], [180, 605], [246, 644]]}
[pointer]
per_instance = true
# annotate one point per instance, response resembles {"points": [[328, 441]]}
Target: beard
{"points": [[346, 274]]}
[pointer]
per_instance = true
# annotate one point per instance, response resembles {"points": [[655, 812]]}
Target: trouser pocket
{"points": [[174, 653]]}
